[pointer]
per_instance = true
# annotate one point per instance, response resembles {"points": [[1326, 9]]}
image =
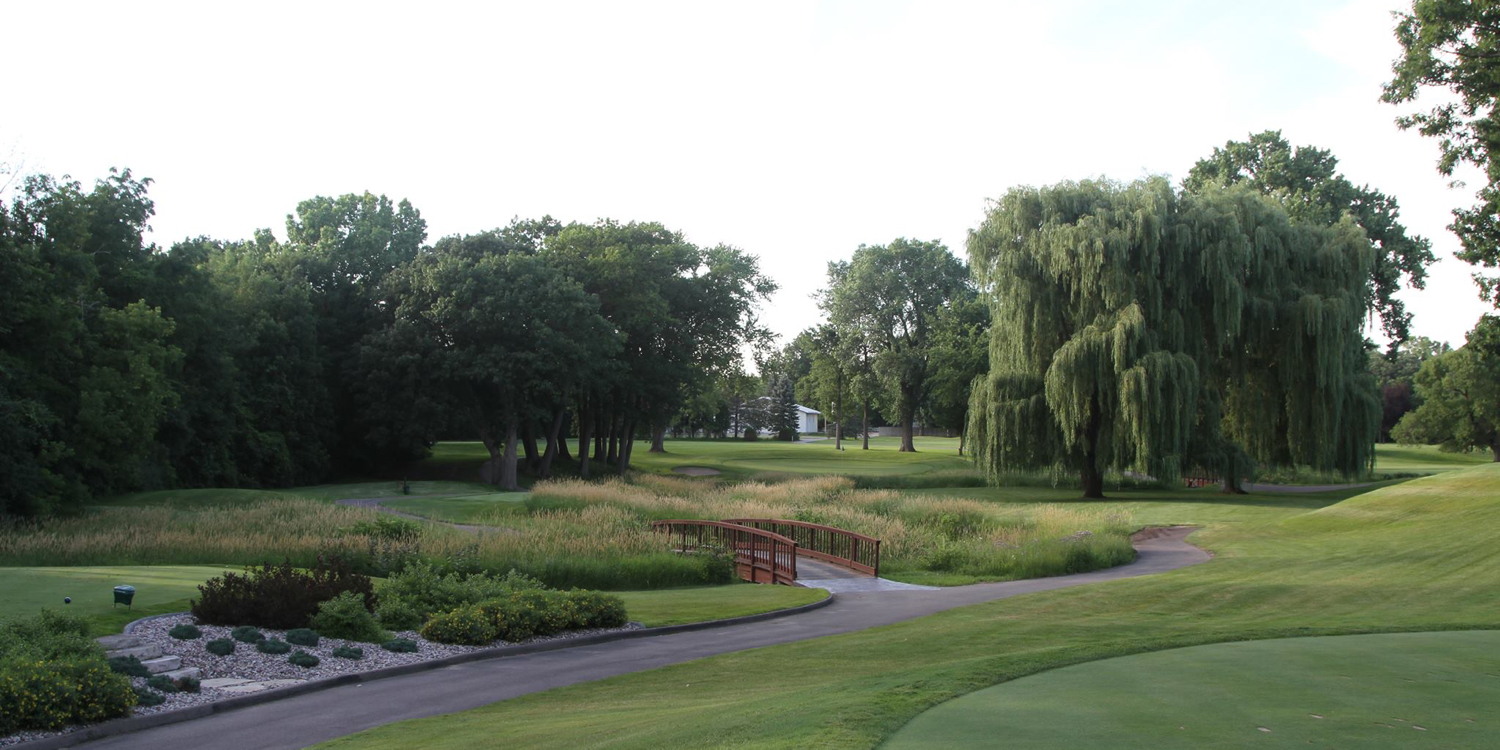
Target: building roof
{"points": [[806, 410]]}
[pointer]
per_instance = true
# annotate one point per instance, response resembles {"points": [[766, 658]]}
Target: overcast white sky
{"points": [[796, 130]]}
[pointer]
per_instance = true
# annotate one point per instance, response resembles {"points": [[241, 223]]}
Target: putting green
{"points": [[1366, 691]]}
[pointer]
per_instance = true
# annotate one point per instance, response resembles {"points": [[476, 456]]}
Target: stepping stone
{"points": [[249, 687], [178, 674], [162, 664], [147, 651], [222, 682], [113, 642]]}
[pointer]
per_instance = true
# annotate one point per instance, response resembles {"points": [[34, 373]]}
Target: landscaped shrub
{"points": [[185, 632], [302, 636], [527, 614], [128, 666], [591, 609], [278, 596], [189, 685], [345, 616], [219, 647], [511, 621], [411, 597], [147, 697], [46, 636], [273, 646], [247, 634], [349, 652], [400, 646], [51, 694], [161, 683], [468, 625], [303, 659]]}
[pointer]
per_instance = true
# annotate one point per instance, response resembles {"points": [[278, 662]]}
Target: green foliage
{"points": [[220, 646], [1306, 182], [409, 598], [38, 694], [247, 634], [349, 652], [1452, 46], [146, 697], [346, 616], [304, 636], [273, 646], [189, 685], [185, 632], [1460, 393], [1194, 329], [161, 683], [278, 596], [466, 625], [129, 666], [400, 646], [303, 659], [388, 528], [45, 636]]}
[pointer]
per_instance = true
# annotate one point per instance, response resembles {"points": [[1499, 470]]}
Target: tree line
{"points": [[348, 346]]}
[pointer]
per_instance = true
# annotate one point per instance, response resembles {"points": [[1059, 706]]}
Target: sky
{"points": [[795, 130]]}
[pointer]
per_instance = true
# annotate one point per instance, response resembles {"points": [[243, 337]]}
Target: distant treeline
{"points": [[344, 348]]}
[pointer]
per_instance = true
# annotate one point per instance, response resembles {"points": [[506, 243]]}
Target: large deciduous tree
{"points": [[1453, 47], [1307, 183], [1140, 328], [1460, 392], [892, 296]]}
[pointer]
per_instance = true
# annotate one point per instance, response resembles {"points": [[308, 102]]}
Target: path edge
{"points": [[127, 725]]}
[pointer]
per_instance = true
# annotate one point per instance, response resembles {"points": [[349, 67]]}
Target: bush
{"points": [[273, 646], [128, 666], [349, 652], [77, 690], [527, 614], [189, 685], [592, 609], [512, 622], [345, 616], [302, 636], [388, 528], [414, 595], [400, 646], [278, 596], [146, 697], [398, 614], [247, 634], [219, 647], [162, 683], [185, 632], [47, 636], [303, 659], [467, 625]]}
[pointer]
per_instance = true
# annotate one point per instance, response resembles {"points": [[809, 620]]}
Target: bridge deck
{"points": [[809, 568]]}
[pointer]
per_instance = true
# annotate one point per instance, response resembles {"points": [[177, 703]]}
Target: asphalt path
{"points": [[316, 717]]}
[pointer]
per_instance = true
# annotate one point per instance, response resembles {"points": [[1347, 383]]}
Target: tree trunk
{"points": [[908, 415], [528, 441], [585, 422], [562, 437], [1495, 451], [508, 464], [627, 435], [601, 432], [865, 424], [611, 454], [1093, 478], [544, 468], [658, 434]]}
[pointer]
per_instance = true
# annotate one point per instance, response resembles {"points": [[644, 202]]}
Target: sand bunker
{"points": [[696, 471]]}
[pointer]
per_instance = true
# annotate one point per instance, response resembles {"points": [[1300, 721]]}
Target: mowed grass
{"points": [[466, 509], [701, 604], [158, 590], [1367, 691], [1416, 556], [1424, 459]]}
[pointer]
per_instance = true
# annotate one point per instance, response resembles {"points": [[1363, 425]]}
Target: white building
{"points": [[807, 419]]}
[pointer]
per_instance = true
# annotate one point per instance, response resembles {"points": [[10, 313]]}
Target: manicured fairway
{"points": [[158, 589], [1367, 691], [679, 606], [1424, 459], [1416, 556]]}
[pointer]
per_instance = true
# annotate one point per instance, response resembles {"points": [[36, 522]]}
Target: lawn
{"points": [[1415, 556], [158, 590], [1423, 459], [681, 606], [1365, 691], [468, 509]]}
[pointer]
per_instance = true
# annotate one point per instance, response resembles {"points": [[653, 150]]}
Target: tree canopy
{"points": [[1453, 47], [1460, 392], [1140, 328]]}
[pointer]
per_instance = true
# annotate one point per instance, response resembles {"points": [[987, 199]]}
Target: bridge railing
{"points": [[759, 556], [847, 548]]}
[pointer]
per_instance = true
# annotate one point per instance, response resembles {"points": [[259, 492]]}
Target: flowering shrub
{"points": [[38, 694], [525, 614], [467, 625]]}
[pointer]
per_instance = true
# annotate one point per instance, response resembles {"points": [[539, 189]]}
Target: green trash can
{"points": [[124, 594]]}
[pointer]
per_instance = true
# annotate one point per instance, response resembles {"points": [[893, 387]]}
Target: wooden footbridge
{"points": [[766, 550]]}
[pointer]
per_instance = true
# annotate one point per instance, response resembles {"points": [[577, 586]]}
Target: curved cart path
{"points": [[317, 717]]}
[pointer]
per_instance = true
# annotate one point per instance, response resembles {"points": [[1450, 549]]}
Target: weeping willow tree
{"points": [[1137, 328]]}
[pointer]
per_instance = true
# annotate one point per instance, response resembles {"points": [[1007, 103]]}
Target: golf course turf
{"points": [[1413, 556], [1364, 691]]}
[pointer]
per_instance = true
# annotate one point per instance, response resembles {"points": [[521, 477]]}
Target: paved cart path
{"points": [[316, 717]]}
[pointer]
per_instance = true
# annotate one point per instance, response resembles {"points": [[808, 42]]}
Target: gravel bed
{"points": [[247, 663]]}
